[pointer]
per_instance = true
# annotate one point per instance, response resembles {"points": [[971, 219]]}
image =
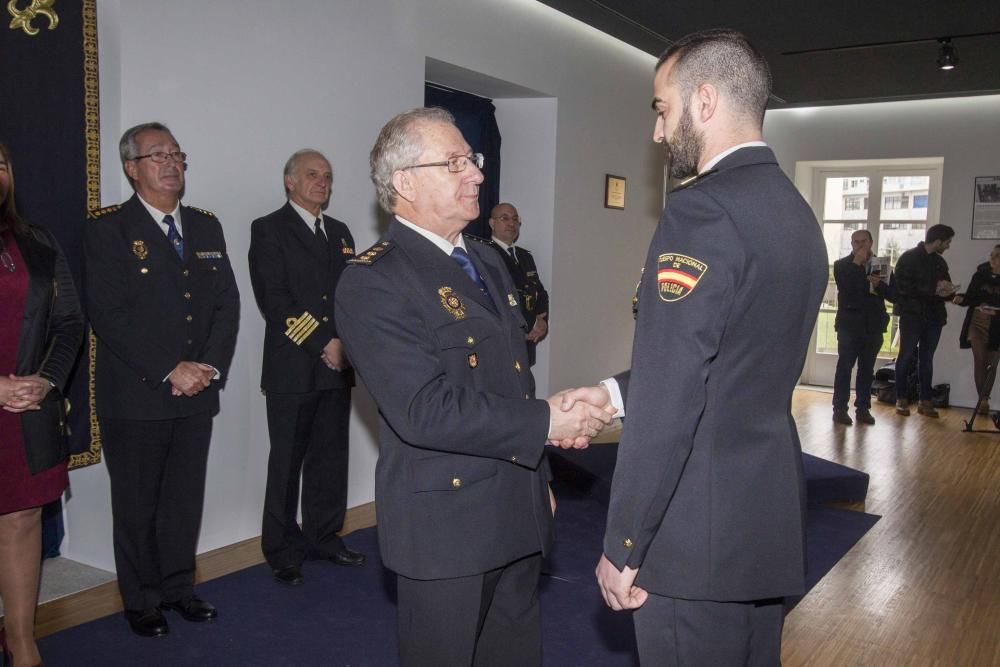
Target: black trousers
{"points": [[157, 471], [671, 632], [309, 437], [861, 348], [486, 620]]}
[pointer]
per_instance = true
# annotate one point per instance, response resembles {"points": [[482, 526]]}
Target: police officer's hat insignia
{"points": [[451, 303], [678, 275], [139, 249]]}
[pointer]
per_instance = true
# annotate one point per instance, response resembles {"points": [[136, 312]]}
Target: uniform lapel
{"points": [[429, 260], [145, 228], [305, 235]]}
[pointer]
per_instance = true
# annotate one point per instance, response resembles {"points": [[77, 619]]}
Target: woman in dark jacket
{"points": [[981, 329], [40, 332]]}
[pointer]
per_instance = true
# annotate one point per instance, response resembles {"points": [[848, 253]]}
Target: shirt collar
{"points": [[158, 215], [441, 242], [503, 246], [306, 216], [726, 153]]}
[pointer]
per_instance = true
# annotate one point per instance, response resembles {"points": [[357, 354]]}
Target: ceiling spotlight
{"points": [[947, 59]]}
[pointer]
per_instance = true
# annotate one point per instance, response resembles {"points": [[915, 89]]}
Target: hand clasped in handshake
{"points": [[19, 393], [577, 415]]}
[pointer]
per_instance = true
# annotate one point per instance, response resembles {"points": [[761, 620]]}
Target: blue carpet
{"points": [[346, 616]]}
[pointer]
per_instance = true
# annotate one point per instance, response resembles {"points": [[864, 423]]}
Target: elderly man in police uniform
{"points": [[705, 525], [164, 305], [432, 323], [506, 225], [296, 257]]}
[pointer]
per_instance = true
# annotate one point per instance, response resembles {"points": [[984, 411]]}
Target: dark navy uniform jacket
{"points": [[708, 494], [294, 280], [534, 299], [461, 480], [151, 310]]}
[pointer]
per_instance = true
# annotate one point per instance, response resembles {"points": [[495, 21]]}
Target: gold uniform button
{"points": [[144, 270], [188, 318], [187, 295], [186, 273], [456, 483], [527, 396], [470, 340], [323, 297], [517, 366], [627, 543], [513, 459], [326, 319]]}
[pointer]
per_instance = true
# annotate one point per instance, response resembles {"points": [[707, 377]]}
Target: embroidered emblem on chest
{"points": [[451, 303]]}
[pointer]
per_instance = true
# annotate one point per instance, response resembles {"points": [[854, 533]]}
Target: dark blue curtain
{"points": [[476, 118]]}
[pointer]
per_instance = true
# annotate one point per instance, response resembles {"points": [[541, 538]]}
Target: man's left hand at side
{"points": [[333, 355], [618, 587], [540, 330]]}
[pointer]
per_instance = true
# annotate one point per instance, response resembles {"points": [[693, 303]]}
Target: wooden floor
{"points": [[921, 588]]}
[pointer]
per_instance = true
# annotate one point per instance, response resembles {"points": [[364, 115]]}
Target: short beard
{"points": [[684, 147]]}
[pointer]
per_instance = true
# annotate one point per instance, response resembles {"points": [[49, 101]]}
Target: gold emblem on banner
{"points": [[451, 302], [23, 17], [139, 249]]}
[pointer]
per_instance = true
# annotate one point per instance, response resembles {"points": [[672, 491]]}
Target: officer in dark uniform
{"points": [[164, 305], [506, 225], [704, 534], [296, 257], [433, 325]]}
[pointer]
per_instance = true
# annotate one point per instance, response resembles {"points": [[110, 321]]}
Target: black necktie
{"points": [[510, 251], [173, 236], [320, 234], [462, 259]]}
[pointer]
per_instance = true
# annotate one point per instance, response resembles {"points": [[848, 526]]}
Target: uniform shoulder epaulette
{"points": [[373, 254], [479, 239], [694, 180], [203, 212], [96, 213]]}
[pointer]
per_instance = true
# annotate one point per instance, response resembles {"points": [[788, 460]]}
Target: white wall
{"points": [[964, 131], [243, 83]]}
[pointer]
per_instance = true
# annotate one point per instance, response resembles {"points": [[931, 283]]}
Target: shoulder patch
{"points": [[96, 213], [203, 212], [373, 254], [694, 180]]}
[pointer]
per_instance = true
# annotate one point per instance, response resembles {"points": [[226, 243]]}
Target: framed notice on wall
{"points": [[614, 192], [986, 208]]}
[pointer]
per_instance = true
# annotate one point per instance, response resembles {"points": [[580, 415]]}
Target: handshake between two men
{"points": [[579, 415]]}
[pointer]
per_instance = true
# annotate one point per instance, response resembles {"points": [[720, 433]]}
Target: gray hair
{"points": [[399, 145], [292, 164], [127, 148], [726, 59]]}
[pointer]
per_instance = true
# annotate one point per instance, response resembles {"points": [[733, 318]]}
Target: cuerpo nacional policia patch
{"points": [[677, 275]]}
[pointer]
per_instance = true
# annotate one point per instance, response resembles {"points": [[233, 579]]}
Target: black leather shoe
{"points": [[290, 576], [192, 608], [147, 622], [347, 557]]}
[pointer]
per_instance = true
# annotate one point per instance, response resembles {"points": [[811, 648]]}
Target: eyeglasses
{"points": [[159, 157], [508, 218], [455, 164], [5, 258]]}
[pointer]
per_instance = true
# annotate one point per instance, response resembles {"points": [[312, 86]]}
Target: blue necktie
{"points": [[510, 251], [173, 236], [462, 259]]}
